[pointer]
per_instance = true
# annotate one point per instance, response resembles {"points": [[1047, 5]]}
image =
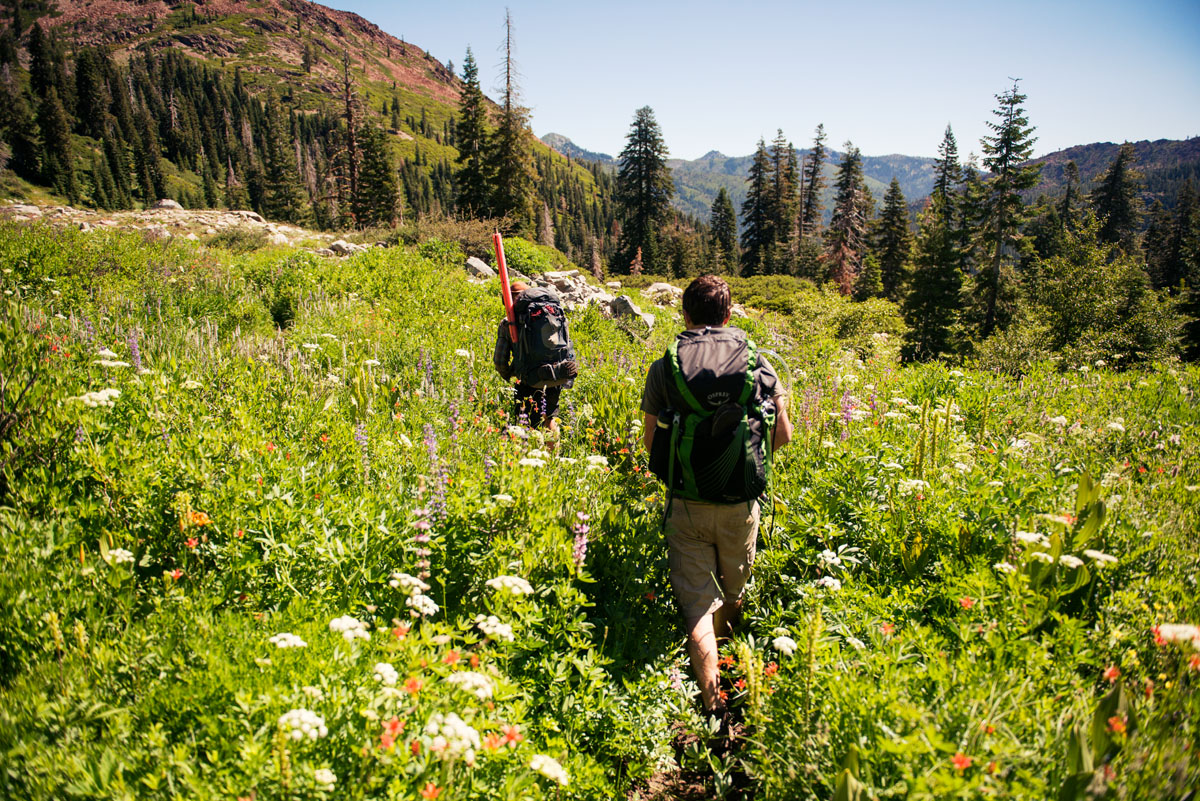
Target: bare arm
{"points": [[783, 424], [648, 426]]}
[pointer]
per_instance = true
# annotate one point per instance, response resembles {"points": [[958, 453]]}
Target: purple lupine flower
{"points": [[429, 373], [437, 504], [360, 436], [579, 551], [431, 442], [676, 678], [78, 434], [487, 468], [453, 422], [472, 380], [571, 410], [88, 330], [135, 350]]}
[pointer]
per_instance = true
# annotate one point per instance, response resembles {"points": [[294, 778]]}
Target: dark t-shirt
{"points": [[655, 397]]}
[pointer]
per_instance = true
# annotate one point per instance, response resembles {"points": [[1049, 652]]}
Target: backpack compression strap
{"points": [[689, 398]]}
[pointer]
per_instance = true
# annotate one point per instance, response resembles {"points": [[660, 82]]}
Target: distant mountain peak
{"points": [[568, 148]]}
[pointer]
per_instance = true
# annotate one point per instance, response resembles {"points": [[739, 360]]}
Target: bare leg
{"points": [[702, 650], [726, 617]]}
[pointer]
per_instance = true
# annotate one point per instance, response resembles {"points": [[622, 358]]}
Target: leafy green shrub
{"points": [[474, 236], [240, 239]]}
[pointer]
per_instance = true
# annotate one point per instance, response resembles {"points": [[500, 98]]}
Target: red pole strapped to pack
{"points": [[505, 290]]}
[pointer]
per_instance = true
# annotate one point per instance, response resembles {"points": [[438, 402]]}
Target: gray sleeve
{"points": [[769, 384], [502, 355], [654, 396]]}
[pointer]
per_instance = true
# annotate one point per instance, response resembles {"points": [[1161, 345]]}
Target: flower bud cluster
{"points": [[301, 723]]}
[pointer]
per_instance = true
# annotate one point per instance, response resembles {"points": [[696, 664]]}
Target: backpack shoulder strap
{"points": [[680, 384], [751, 366]]}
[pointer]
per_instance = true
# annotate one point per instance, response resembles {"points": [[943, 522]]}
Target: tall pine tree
{"points": [[1116, 203], [511, 153], [931, 296], [644, 189], [892, 240], [845, 239], [472, 181], [813, 185], [723, 224], [378, 200], [1005, 153], [756, 213]]}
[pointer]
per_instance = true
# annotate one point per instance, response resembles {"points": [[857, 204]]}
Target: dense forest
{"points": [[993, 255]]}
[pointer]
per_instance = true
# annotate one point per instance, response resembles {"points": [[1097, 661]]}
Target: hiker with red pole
{"points": [[533, 346]]}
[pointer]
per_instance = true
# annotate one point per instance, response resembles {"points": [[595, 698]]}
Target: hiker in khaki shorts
{"points": [[714, 414]]}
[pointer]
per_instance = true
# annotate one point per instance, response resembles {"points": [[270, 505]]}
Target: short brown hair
{"points": [[706, 300], [518, 287]]}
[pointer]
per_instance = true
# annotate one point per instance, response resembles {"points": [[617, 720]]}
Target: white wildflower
{"points": [[962, 467], [1117, 425], [784, 645], [287, 640], [908, 486], [313, 692], [105, 353], [473, 683], [350, 628], [549, 767], [191, 383], [1101, 559], [538, 454], [410, 585], [385, 674], [451, 737], [895, 415], [956, 373], [405, 441], [1032, 538], [1041, 556], [302, 723], [466, 354], [1059, 421], [326, 778], [996, 484], [311, 346], [596, 460], [893, 466], [492, 627], [1004, 567], [829, 583], [1070, 561], [371, 362], [855, 643], [1180, 632], [422, 606], [119, 556], [111, 363], [502, 498], [101, 398], [514, 585], [532, 462], [829, 558]]}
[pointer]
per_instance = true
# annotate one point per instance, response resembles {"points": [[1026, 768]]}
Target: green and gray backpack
{"points": [[714, 443]]}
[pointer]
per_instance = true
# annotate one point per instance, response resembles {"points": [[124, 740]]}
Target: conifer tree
{"points": [[58, 167], [1005, 153], [378, 199], [1116, 203], [42, 73], [813, 185], [934, 280], [892, 241], [845, 239], [644, 189], [947, 173], [756, 213], [471, 131], [723, 225], [16, 123], [783, 224], [91, 94], [545, 226], [511, 154], [282, 198], [1068, 207], [869, 281]]}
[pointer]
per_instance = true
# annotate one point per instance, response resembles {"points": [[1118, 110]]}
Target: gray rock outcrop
{"points": [[479, 268]]}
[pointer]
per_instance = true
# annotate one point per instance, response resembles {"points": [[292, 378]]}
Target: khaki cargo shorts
{"points": [[711, 548]]}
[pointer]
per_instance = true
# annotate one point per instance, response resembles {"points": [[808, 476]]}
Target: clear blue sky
{"points": [[888, 76]]}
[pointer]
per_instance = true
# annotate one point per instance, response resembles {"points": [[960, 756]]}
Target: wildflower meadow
{"points": [[264, 534]]}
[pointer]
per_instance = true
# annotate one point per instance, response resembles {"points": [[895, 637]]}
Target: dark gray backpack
{"points": [[714, 444], [543, 356]]}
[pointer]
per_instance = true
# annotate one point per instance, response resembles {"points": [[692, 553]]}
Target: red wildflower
{"points": [[413, 685], [270, 447], [512, 735], [1149, 689], [474, 660], [960, 761], [740, 684], [888, 629], [176, 574], [770, 670], [1116, 724], [415, 747], [650, 596], [239, 533], [199, 518], [451, 658], [1141, 468], [1111, 674], [725, 661], [493, 741], [966, 603], [1158, 638], [400, 631], [431, 791], [192, 542], [724, 695], [992, 767], [987, 727], [324, 438], [394, 726], [387, 742], [1194, 662]]}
